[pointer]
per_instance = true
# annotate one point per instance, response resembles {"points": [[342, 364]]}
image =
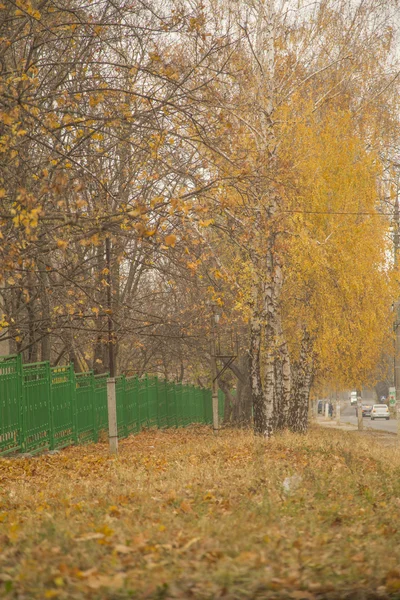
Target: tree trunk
{"points": [[271, 292], [260, 424], [32, 351], [70, 349], [242, 407], [229, 401], [285, 375], [298, 413], [46, 318], [278, 424]]}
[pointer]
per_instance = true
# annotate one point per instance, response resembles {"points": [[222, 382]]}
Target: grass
{"points": [[181, 514]]}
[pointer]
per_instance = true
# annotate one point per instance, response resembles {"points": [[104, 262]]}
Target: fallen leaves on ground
{"points": [[181, 513]]}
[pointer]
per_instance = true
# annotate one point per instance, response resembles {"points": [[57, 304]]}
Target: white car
{"points": [[380, 411]]}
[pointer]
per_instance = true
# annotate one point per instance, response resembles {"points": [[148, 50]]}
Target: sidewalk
{"points": [[387, 438], [331, 423]]}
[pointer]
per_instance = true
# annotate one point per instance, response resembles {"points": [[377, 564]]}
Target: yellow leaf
{"points": [[170, 240], [90, 536], [185, 507], [122, 549]]}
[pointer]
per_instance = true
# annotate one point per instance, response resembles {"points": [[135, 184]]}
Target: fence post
{"points": [[174, 401], [112, 416], [51, 412], [137, 395], [74, 404], [21, 403], [93, 396], [147, 400], [193, 404], [156, 397], [124, 407]]}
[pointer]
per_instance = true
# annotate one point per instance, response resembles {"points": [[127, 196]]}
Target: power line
{"points": [[333, 212], [329, 212]]}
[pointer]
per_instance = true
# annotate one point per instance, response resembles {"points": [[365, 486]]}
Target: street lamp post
{"points": [[214, 373], [360, 423], [396, 361], [111, 388]]}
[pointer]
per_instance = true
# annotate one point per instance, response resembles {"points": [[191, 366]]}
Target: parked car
{"points": [[380, 411], [366, 410]]}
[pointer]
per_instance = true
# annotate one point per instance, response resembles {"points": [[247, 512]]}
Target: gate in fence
{"points": [[43, 407]]}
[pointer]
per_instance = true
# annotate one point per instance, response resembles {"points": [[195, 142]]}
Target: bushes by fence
{"points": [[44, 407]]}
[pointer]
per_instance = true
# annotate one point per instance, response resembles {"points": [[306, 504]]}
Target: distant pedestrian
{"points": [[330, 409]]}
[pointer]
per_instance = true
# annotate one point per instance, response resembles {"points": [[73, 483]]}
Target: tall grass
{"points": [[182, 514]]}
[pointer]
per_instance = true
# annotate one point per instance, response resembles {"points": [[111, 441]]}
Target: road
{"points": [[348, 415]]}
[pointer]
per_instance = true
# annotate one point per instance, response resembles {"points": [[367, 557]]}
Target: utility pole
{"points": [[214, 374], [111, 391], [337, 408], [359, 411], [227, 357], [311, 410], [396, 307]]}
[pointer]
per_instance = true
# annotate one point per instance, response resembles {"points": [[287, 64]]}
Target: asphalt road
{"points": [[348, 415]]}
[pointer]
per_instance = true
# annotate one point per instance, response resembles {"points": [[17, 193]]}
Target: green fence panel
{"points": [[171, 408], [207, 406], [45, 407], [192, 404], [85, 413], [199, 405], [63, 407], [179, 405], [120, 393], [185, 405], [221, 405], [11, 432], [195, 407], [131, 405], [100, 402], [142, 403], [162, 403], [152, 401], [37, 406]]}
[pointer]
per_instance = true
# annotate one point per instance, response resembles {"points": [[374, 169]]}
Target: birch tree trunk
{"points": [[255, 373], [274, 385], [283, 377], [298, 413]]}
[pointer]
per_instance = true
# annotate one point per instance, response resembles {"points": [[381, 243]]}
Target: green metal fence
{"points": [[43, 407]]}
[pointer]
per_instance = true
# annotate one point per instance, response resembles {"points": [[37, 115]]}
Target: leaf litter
{"points": [[182, 514]]}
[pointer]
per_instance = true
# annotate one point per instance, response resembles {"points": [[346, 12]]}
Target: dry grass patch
{"points": [[181, 514]]}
